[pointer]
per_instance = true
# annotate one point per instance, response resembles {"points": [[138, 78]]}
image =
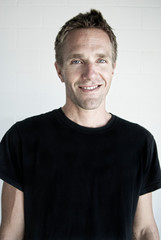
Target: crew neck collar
{"points": [[68, 122]]}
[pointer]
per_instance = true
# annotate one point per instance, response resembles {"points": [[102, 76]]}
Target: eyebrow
{"points": [[78, 55], [75, 55], [101, 55]]}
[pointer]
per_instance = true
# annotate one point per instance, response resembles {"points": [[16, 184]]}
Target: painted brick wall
{"points": [[28, 81]]}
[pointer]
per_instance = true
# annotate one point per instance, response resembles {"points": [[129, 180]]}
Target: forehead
{"points": [[92, 39]]}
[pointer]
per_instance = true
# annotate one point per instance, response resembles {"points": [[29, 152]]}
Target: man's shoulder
{"points": [[38, 118], [36, 122], [33, 128], [131, 128]]}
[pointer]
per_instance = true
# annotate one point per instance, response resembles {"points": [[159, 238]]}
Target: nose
{"points": [[89, 71]]}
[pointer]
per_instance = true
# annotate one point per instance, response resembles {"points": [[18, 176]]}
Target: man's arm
{"points": [[144, 227], [12, 225]]}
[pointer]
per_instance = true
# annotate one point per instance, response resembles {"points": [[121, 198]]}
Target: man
{"points": [[79, 172]]}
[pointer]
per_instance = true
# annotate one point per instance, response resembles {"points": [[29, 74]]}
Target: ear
{"points": [[59, 71], [113, 68]]}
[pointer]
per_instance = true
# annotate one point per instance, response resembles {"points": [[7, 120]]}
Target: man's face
{"points": [[87, 68]]}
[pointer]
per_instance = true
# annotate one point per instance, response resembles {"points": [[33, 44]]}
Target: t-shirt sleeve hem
{"points": [[11, 182], [151, 188]]}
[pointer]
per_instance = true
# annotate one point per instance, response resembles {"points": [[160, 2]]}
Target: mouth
{"points": [[89, 88]]}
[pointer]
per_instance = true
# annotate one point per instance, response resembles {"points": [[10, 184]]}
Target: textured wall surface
{"points": [[28, 81]]}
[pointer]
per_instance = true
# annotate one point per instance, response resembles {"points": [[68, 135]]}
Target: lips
{"points": [[89, 87]]}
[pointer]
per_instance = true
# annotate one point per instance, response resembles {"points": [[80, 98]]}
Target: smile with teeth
{"points": [[90, 87]]}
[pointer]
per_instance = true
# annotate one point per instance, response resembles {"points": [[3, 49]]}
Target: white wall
{"points": [[28, 81]]}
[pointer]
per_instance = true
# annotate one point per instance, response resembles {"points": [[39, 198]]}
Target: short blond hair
{"points": [[92, 19]]}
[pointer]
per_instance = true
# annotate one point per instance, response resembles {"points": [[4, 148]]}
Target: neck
{"points": [[87, 118]]}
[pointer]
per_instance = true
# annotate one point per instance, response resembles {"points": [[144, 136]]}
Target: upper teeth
{"points": [[89, 88]]}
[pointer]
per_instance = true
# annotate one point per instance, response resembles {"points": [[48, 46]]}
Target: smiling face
{"points": [[87, 68]]}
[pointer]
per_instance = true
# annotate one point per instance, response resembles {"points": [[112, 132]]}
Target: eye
{"points": [[77, 61], [101, 61]]}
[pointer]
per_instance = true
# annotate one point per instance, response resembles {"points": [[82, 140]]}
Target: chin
{"points": [[89, 106], [92, 104]]}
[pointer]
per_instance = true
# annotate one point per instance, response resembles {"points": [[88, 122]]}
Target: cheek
{"points": [[76, 70], [106, 73], [73, 74]]}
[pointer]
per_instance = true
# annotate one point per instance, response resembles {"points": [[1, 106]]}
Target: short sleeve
{"points": [[11, 169], [152, 170]]}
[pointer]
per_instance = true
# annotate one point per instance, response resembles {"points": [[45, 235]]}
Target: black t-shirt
{"points": [[79, 183]]}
